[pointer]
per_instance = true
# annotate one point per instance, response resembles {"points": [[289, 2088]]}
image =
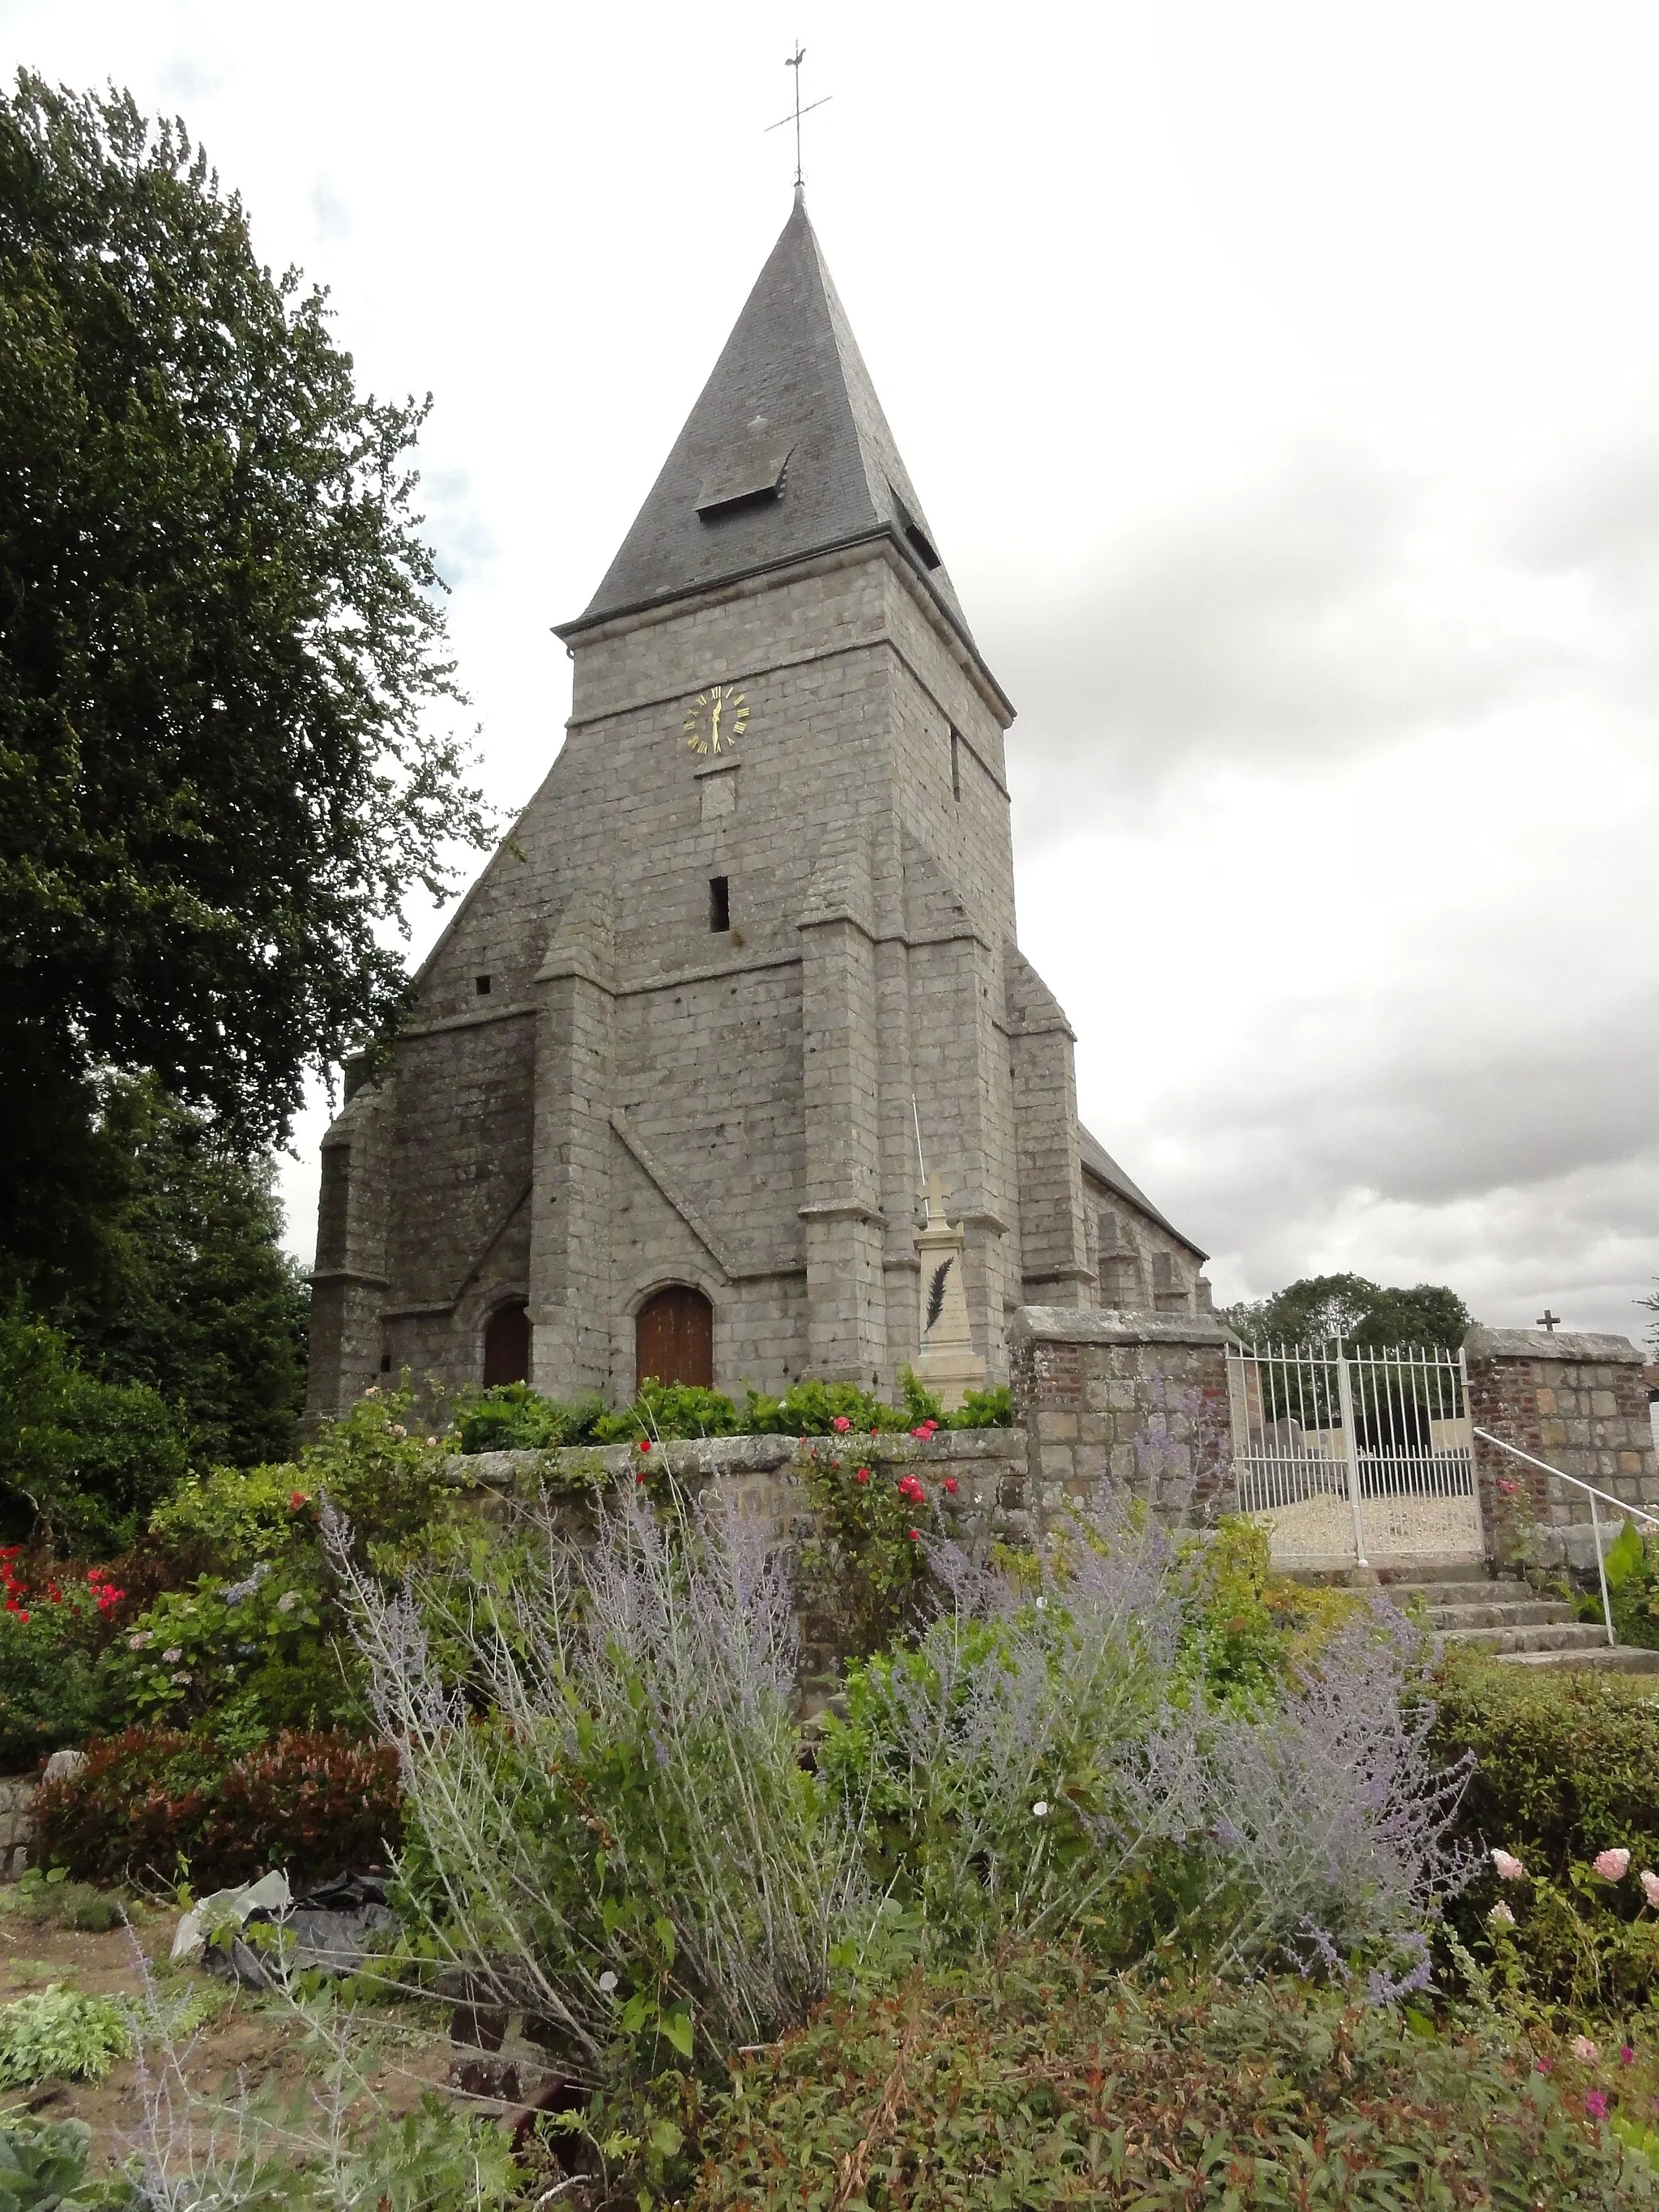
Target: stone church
{"points": [[729, 1068]]}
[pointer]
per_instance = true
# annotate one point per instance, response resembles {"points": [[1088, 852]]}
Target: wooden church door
{"points": [[506, 1345], [674, 1338]]}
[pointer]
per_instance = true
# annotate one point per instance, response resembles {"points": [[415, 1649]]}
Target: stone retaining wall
{"points": [[764, 1478]]}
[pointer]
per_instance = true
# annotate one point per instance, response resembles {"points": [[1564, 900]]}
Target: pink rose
{"points": [[1595, 2104], [1650, 1886], [1500, 1916], [1585, 2050], [841, 1425], [1510, 1868], [1612, 1866]]}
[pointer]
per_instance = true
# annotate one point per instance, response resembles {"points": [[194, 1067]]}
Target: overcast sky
{"points": [[1283, 384]]}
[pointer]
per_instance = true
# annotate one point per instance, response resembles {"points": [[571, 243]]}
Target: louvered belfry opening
{"points": [[506, 1345], [674, 1337]]}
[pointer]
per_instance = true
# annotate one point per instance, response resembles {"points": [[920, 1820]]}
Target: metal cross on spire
{"points": [[794, 62], [1548, 1322]]}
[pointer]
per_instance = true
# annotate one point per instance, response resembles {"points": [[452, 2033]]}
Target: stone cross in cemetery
{"points": [[651, 1109]]}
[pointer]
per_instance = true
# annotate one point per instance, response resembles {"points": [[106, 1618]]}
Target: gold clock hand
{"points": [[714, 722]]}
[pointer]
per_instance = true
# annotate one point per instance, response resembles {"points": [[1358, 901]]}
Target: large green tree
{"points": [[1319, 1309], [220, 653]]}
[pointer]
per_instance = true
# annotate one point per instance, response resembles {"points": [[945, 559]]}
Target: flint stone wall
{"points": [[1579, 1401], [1139, 1400]]}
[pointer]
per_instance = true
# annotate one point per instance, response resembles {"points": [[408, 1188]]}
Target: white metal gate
{"points": [[1350, 1455]]}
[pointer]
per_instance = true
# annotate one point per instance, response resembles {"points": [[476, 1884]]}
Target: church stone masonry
{"points": [[665, 1071]]}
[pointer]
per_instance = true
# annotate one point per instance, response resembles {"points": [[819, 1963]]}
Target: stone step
{"points": [[1603, 1658], [1430, 1570], [1510, 1613], [1561, 1637], [1436, 1595]]}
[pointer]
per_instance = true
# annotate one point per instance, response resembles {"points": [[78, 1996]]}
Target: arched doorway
{"points": [[506, 1344], [674, 1337]]}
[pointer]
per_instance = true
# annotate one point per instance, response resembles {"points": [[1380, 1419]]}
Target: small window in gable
{"points": [[481, 985]]}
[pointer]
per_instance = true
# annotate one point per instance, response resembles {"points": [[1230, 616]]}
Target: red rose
{"points": [[862, 1474], [645, 1443], [916, 1535], [950, 1484], [296, 1498]]}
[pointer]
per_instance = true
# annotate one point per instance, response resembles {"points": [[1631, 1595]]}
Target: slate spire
{"points": [[787, 454]]}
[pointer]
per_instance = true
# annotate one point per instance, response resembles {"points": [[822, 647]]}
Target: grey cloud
{"points": [[1300, 624], [1516, 1158]]}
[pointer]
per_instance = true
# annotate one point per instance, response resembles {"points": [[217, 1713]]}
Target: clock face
{"points": [[717, 717]]}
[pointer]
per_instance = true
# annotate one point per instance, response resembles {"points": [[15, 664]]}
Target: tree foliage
{"points": [[176, 1337], [1320, 1308], [190, 1292], [220, 637]]}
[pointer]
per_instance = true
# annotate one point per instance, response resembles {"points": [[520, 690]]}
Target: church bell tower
{"points": [[747, 957]]}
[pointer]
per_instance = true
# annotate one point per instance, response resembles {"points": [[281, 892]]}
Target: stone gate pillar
{"points": [[1136, 1400], [1580, 1402]]}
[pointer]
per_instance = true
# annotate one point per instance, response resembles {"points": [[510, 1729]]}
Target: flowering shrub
{"points": [[859, 1569], [628, 1846], [263, 1645], [54, 1686], [1039, 1762], [151, 1800], [1563, 1799]]}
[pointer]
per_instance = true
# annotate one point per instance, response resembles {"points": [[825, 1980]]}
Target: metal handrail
{"points": [[1592, 1493]]}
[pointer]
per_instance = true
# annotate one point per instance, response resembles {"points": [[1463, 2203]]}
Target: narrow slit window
{"points": [[481, 985], [956, 765], [719, 903]]}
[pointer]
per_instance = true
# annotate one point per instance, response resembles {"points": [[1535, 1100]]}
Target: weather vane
{"points": [[794, 62]]}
